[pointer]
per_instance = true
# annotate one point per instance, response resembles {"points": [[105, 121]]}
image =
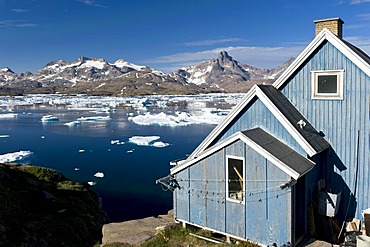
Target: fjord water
{"points": [[128, 188]]}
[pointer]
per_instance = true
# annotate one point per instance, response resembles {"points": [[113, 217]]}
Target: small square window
{"points": [[327, 84], [235, 181]]}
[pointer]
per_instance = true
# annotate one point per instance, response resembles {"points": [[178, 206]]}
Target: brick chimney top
{"points": [[334, 25]]}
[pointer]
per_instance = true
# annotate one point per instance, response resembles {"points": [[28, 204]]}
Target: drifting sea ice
{"points": [[16, 156], [148, 141], [97, 118], [160, 144], [143, 140], [73, 123], [116, 142], [99, 175], [8, 115], [206, 116]]}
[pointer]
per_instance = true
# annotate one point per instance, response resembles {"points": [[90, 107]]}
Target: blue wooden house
{"points": [[291, 161]]}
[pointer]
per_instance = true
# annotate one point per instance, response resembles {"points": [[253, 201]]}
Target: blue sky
{"points": [[169, 34]]}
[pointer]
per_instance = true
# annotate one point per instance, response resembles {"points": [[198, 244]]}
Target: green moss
{"points": [[45, 174], [70, 185]]}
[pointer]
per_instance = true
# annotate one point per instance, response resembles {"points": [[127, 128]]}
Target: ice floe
{"points": [[49, 118], [99, 175], [116, 142], [148, 141], [143, 140], [97, 118], [73, 123], [8, 115], [160, 144], [207, 116], [16, 156]]}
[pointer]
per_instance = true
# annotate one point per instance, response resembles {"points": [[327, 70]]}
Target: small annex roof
{"points": [[292, 120], [285, 158]]}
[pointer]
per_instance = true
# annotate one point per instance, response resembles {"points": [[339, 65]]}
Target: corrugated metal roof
{"points": [[308, 132], [282, 152]]}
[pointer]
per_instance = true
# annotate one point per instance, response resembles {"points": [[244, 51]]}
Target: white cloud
{"points": [[261, 57], [15, 23], [19, 11], [359, 1], [364, 16], [212, 42], [92, 3]]}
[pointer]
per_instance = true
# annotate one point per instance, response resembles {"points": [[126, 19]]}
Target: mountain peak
{"points": [[82, 59], [6, 69], [224, 57]]}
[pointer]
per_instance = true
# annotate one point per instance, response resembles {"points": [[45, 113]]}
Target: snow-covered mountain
{"points": [[228, 74], [97, 76]]}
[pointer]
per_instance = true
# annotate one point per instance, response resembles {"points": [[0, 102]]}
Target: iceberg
{"points": [[16, 156], [143, 140], [49, 118], [81, 150], [73, 123], [205, 116], [91, 183], [150, 141], [8, 115], [4, 136], [116, 142], [99, 175], [97, 118], [160, 144]]}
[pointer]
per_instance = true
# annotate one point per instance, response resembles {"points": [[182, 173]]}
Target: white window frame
{"points": [[328, 96], [227, 178]]}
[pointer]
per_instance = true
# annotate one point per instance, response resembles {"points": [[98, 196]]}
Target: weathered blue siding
{"points": [[339, 120], [265, 217], [258, 115]]}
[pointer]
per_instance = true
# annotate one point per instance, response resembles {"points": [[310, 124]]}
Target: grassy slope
{"points": [[177, 236], [40, 207]]}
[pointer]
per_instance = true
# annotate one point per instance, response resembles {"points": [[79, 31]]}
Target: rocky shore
{"points": [[134, 232]]}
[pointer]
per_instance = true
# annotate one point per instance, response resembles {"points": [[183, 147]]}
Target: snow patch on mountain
{"points": [[122, 63]]}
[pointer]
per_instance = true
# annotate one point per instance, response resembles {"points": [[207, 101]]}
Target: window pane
{"points": [[327, 84], [235, 179]]}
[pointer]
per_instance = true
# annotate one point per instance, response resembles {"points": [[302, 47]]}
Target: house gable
{"points": [[344, 122], [354, 54], [306, 136], [358, 57]]}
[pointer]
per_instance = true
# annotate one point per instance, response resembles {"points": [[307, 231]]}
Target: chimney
{"points": [[334, 25]]}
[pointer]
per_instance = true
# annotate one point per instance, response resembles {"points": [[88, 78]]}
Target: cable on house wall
{"points": [[221, 198]]}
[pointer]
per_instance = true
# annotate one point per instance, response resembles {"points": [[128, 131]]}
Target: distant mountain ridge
{"points": [[96, 76]]}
